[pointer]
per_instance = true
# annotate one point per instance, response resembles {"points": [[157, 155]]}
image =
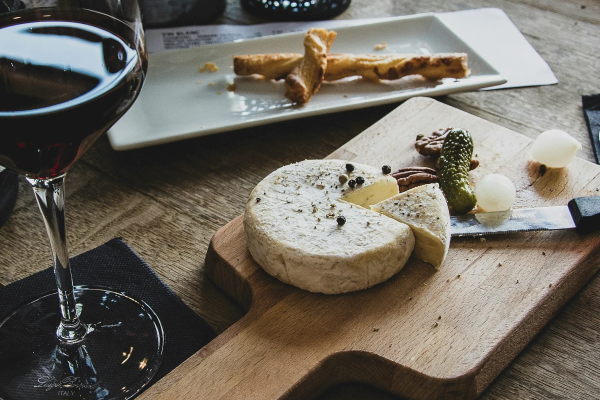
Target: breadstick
{"points": [[383, 66], [306, 77], [395, 66], [271, 66]]}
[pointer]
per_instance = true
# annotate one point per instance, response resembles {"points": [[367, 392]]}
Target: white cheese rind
{"points": [[425, 210], [292, 232]]}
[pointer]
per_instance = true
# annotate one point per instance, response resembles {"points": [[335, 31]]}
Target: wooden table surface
{"points": [[167, 201]]}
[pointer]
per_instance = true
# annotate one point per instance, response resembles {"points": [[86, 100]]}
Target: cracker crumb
{"points": [[209, 66], [198, 81], [381, 46], [482, 240], [231, 87], [219, 93], [499, 264], [375, 329], [211, 83]]}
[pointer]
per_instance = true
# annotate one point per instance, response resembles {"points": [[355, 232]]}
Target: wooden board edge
{"points": [[533, 323], [227, 279], [382, 373]]}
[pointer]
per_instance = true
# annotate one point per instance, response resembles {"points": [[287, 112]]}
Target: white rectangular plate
{"points": [[180, 102]]}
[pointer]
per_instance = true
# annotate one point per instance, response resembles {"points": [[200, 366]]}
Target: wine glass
{"points": [[69, 69]]}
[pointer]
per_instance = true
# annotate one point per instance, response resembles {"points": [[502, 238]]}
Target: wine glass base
{"points": [[119, 356]]}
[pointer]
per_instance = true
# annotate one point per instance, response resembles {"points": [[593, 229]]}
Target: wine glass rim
{"points": [[95, 92]]}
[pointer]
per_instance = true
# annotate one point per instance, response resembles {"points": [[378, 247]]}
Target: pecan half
{"points": [[432, 145], [411, 177]]}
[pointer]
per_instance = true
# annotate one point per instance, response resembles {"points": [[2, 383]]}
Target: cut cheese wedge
{"points": [[292, 229], [424, 209]]}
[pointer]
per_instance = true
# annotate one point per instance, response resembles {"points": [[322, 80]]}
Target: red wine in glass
{"points": [[63, 84], [66, 75]]}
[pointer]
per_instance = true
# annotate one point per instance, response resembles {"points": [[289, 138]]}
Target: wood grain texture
{"points": [[180, 194], [423, 334]]}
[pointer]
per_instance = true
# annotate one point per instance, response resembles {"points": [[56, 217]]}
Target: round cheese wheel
{"points": [[294, 230]]}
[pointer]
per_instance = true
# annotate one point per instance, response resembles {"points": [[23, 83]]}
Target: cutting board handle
{"points": [[258, 357]]}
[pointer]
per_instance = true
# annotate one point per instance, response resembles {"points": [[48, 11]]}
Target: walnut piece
{"points": [[432, 145], [411, 177]]}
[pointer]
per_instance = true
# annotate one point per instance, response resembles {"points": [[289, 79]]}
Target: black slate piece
{"points": [[591, 110]]}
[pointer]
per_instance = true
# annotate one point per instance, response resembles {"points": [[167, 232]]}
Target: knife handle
{"points": [[586, 213]]}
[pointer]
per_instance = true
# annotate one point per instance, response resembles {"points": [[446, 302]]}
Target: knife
{"points": [[581, 213]]}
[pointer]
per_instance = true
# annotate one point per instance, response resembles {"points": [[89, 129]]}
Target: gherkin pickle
{"points": [[454, 166]]}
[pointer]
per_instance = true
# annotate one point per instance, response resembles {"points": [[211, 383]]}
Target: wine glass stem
{"points": [[50, 196]]}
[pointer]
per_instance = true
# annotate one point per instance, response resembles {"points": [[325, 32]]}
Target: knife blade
{"points": [[581, 213]]}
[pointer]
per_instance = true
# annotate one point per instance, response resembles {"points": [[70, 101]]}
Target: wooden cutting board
{"points": [[424, 334]]}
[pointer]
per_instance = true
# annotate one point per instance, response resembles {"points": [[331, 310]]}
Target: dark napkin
{"points": [[9, 188], [116, 266], [591, 110]]}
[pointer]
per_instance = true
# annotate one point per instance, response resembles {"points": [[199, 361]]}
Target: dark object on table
{"points": [[591, 110], [9, 189], [116, 266], [310, 10], [162, 14]]}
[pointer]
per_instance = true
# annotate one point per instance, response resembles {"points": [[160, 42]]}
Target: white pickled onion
{"points": [[554, 148], [495, 192]]}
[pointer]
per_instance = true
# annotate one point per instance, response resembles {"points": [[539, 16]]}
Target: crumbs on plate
{"points": [[209, 66]]}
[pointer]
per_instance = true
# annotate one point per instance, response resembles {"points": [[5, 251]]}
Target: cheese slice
{"points": [[292, 230], [424, 209]]}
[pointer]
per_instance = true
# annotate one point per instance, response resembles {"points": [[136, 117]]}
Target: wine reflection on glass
{"points": [[68, 71]]}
